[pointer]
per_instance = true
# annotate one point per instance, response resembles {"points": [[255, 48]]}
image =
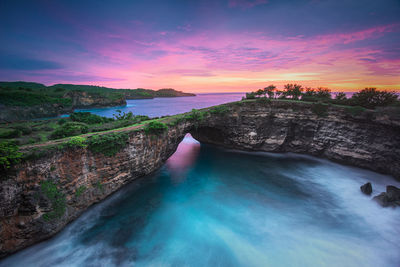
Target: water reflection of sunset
{"points": [[184, 157]]}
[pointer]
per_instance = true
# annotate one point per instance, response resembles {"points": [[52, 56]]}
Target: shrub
{"points": [[371, 98], [195, 115], [263, 100], [70, 129], [177, 120], [77, 141], [355, 111], [222, 109], [61, 121], [56, 198], [88, 118], [80, 190], [107, 144], [9, 155], [11, 133], [250, 95], [309, 98], [323, 93], [122, 115], [155, 127], [25, 130], [319, 109]]}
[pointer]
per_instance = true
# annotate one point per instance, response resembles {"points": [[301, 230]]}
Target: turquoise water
{"points": [[168, 105], [213, 207]]}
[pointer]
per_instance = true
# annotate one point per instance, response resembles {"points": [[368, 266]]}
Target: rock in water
{"points": [[382, 199], [389, 198], [366, 189], [393, 193]]}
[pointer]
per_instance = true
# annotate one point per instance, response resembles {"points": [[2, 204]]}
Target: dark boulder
{"points": [[390, 198], [366, 189], [382, 200], [393, 193]]}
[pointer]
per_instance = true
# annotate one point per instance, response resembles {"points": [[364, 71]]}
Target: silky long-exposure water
{"points": [[213, 207]]}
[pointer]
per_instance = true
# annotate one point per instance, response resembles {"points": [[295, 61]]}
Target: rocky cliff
{"points": [[81, 99], [67, 181], [367, 139]]}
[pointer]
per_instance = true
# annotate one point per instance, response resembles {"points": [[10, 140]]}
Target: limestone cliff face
{"points": [[370, 140], [88, 100], [83, 177]]}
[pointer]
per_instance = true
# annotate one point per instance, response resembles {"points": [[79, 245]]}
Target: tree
{"points": [[371, 98], [250, 95], [341, 97], [281, 94], [260, 92], [323, 92], [310, 92], [293, 90], [270, 90]]}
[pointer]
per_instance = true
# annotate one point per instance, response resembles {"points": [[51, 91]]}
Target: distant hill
{"points": [[25, 97], [138, 93], [17, 85]]}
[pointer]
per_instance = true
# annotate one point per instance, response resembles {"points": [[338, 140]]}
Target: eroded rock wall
{"points": [[369, 139], [83, 177]]}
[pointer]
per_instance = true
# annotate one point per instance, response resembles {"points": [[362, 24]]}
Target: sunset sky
{"points": [[202, 46]]}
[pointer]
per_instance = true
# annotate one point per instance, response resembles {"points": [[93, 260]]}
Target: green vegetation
{"points": [[10, 133], [263, 100], [371, 98], [355, 111], [65, 97], [80, 191], [222, 109], [70, 129], [319, 109], [196, 115], [9, 155], [99, 186], [77, 142], [56, 198], [107, 144], [21, 97], [367, 98], [176, 120], [155, 128], [31, 132]]}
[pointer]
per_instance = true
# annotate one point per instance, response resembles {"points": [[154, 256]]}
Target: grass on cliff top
{"points": [[193, 116]]}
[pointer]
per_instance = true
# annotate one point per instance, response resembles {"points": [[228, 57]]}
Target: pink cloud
{"points": [[203, 61]]}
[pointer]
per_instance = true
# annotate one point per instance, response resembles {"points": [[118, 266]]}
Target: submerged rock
{"points": [[390, 198], [366, 189]]}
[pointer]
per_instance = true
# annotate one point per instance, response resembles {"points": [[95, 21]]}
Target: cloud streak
{"points": [[209, 46]]}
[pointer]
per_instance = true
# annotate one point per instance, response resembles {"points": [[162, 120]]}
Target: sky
{"points": [[202, 46]]}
